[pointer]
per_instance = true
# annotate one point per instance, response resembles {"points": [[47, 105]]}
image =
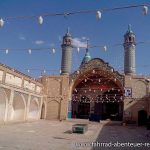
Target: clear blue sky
{"points": [[107, 31]]}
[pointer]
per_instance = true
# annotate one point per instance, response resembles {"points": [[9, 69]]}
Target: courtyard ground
{"points": [[55, 135]]}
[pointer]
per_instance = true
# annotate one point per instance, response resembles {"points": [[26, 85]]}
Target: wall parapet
{"points": [[12, 77]]}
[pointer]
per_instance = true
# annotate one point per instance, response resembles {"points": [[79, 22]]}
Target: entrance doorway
{"points": [[142, 118], [112, 111], [81, 109]]}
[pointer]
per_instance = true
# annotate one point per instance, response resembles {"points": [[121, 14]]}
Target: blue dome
{"points": [[86, 58]]}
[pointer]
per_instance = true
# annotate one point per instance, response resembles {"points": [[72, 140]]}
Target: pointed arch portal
{"points": [[99, 90]]}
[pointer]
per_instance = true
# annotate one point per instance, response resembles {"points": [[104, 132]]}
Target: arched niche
{"points": [[53, 109], [19, 107], [33, 109]]}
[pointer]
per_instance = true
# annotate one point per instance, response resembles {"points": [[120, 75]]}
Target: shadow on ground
{"points": [[113, 134]]}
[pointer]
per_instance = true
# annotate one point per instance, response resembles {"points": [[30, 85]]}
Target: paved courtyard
{"points": [[55, 135]]}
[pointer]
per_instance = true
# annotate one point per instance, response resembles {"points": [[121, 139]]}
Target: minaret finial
{"points": [[129, 27], [87, 46], [68, 30]]}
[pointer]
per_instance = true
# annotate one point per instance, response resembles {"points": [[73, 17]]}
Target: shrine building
{"points": [[95, 90]]}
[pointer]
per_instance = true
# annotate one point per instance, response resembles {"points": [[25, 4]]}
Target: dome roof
{"points": [[86, 58]]}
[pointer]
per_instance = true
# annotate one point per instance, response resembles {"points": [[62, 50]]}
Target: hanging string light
{"points": [[7, 51], [1, 23], [66, 14], [44, 71], [30, 51], [78, 49], [98, 14], [78, 71], [53, 50], [40, 20], [93, 71], [145, 10], [105, 48]]}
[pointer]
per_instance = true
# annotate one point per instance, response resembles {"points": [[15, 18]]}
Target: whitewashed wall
{"points": [[1, 75], [14, 80], [29, 85], [38, 89]]}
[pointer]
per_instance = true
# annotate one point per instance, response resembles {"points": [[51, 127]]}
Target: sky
{"points": [[109, 30]]}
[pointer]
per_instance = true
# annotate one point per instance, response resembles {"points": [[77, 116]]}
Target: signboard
{"points": [[128, 92]]}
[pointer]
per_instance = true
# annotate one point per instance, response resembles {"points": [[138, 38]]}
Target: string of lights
{"points": [[45, 71], [98, 12], [53, 50], [85, 99]]}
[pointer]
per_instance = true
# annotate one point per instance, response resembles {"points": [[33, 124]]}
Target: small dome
{"points": [[86, 58]]}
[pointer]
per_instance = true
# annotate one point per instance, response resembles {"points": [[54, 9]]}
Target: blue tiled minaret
{"points": [[129, 52], [66, 62]]}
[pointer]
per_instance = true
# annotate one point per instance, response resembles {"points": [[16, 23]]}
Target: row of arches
{"points": [[19, 109]]}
